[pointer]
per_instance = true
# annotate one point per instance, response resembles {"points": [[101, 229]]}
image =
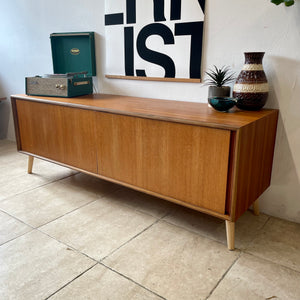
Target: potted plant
{"points": [[218, 77]]}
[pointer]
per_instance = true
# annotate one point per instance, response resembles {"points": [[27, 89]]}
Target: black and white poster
{"points": [[154, 38]]}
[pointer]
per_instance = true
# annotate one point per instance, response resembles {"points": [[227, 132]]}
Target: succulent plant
{"points": [[286, 2], [219, 77]]}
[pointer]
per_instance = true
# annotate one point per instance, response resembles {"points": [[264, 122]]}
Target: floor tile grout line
{"points": [[96, 260], [55, 239], [82, 253], [32, 189], [67, 245], [139, 210], [267, 221], [73, 210], [270, 261], [22, 173], [211, 238], [48, 297], [100, 262], [131, 239], [8, 241], [58, 181], [260, 231], [31, 227], [65, 214], [123, 187], [130, 279], [201, 235], [223, 276], [16, 218], [39, 226]]}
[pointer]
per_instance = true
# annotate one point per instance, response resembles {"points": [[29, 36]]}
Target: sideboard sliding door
{"points": [[62, 134], [185, 162]]}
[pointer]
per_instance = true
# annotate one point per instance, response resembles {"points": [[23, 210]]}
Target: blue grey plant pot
{"points": [[215, 91]]}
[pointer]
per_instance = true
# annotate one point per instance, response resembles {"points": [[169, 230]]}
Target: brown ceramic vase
{"points": [[251, 87]]}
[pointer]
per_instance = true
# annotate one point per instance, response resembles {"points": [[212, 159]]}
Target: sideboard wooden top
{"points": [[169, 110]]}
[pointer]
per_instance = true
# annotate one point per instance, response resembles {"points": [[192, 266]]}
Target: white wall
{"points": [[231, 27]]}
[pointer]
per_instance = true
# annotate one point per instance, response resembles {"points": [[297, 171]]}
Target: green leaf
{"points": [[218, 77], [277, 2], [289, 2], [286, 2]]}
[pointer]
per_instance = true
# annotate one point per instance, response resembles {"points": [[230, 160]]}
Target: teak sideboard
{"points": [[184, 152]]}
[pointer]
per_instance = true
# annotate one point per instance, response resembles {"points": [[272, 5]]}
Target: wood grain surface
{"points": [[254, 162], [171, 159], [63, 134], [168, 110], [185, 152], [154, 78]]}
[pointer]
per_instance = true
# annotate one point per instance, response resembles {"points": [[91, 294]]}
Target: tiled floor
{"points": [[66, 235]]}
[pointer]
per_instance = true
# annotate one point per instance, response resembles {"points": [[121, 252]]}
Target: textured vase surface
{"points": [[251, 88]]}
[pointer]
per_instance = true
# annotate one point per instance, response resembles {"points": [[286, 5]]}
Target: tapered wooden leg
{"points": [[256, 208], [30, 164], [230, 234]]}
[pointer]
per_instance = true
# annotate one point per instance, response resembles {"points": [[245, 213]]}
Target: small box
{"points": [[73, 56]]}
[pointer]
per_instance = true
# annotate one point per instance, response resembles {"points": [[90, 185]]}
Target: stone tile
{"points": [[101, 283], [14, 178], [142, 202], [50, 170], [15, 164], [13, 156], [139, 201], [246, 229], [253, 278], [173, 262], [11, 228], [12, 169], [279, 242], [12, 164], [98, 228], [92, 184], [34, 266], [15, 185], [45, 204]]}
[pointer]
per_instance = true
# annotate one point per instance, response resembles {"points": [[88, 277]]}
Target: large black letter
{"points": [[152, 56], [159, 10], [131, 11], [128, 51], [194, 29], [175, 9], [113, 19]]}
